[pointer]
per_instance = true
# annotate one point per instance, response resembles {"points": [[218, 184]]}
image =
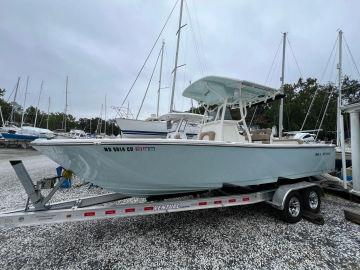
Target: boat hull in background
{"points": [[132, 128], [137, 167], [19, 137]]}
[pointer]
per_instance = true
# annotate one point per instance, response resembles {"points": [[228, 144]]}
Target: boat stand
{"points": [[40, 202], [293, 201]]}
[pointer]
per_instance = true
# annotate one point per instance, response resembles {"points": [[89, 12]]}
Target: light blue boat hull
{"points": [[154, 167]]}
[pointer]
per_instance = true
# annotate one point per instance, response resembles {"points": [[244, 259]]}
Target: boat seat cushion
{"points": [[207, 136], [260, 135]]}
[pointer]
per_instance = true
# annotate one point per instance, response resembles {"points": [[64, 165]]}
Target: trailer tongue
{"points": [[290, 199]]}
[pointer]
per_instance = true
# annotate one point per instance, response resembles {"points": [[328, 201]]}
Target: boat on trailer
{"points": [[220, 156]]}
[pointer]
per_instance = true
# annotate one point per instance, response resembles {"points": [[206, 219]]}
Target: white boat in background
{"points": [[220, 156], [9, 129], [306, 136], [159, 127], [148, 128], [77, 134], [27, 133], [183, 125]]}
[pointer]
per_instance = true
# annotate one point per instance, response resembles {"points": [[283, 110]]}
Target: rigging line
{"points": [[322, 107], [310, 107], [323, 117], [321, 79], [272, 64], [148, 56], [293, 54], [329, 59], [200, 35], [352, 57], [330, 96], [196, 45], [333, 65], [148, 86], [352, 68], [12, 92]]}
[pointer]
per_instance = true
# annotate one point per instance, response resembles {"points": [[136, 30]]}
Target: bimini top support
{"points": [[213, 90]]}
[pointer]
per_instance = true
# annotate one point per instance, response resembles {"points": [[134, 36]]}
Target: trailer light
{"points": [[246, 199], [129, 210], [232, 200], [217, 202], [89, 214], [202, 203], [110, 212], [148, 208]]}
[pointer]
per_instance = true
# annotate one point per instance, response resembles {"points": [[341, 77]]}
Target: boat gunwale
{"points": [[142, 142]]}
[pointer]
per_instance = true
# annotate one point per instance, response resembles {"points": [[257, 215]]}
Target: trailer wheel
{"points": [[293, 208], [312, 200]]}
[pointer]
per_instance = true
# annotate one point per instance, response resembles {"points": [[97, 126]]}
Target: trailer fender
{"points": [[279, 197]]}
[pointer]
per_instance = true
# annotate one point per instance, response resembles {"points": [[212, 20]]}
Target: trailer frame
{"points": [[38, 210]]}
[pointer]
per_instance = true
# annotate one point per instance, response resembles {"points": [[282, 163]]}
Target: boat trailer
{"points": [[292, 200]]}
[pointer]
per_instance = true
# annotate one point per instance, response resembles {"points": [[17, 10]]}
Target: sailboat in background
{"points": [[25, 132], [155, 126], [11, 125]]}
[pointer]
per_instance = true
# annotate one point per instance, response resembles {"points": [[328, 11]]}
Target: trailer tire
{"points": [[293, 208], [312, 200]]}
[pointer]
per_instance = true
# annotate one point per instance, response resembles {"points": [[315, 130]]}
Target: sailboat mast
{"points": [[2, 118], [14, 100], [37, 107], [98, 128], [160, 75], [340, 118], [339, 90], [23, 111], [48, 115], [17, 88], [66, 101], [281, 110], [105, 117], [176, 58]]}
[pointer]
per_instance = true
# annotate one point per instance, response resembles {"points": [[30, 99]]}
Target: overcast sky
{"points": [[101, 45]]}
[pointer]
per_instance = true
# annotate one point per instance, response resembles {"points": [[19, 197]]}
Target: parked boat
{"points": [[148, 128], [159, 127], [220, 156], [26, 133], [77, 134]]}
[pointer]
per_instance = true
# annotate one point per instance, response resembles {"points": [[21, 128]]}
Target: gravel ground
{"points": [[248, 237]]}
